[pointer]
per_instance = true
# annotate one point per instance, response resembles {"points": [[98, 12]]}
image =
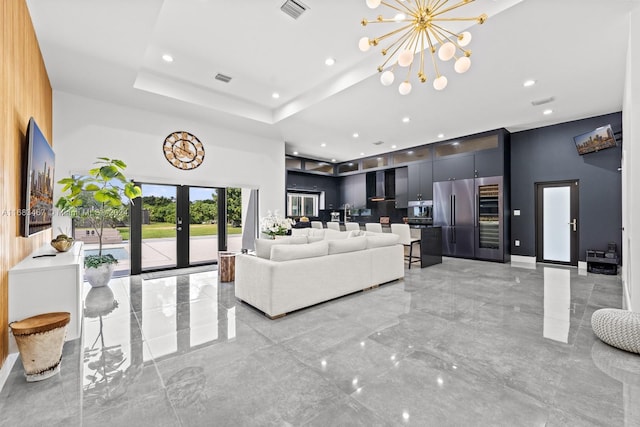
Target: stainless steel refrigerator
{"points": [[454, 211]]}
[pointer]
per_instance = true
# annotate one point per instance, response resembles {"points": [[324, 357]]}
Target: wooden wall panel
{"points": [[25, 91]]}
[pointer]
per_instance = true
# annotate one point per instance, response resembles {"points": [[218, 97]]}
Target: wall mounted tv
{"points": [[38, 182], [595, 140]]}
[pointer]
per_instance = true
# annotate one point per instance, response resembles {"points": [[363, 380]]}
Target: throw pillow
{"points": [[347, 245], [290, 252], [381, 239], [263, 246], [356, 233]]}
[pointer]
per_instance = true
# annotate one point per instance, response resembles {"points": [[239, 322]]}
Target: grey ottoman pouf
{"points": [[619, 328]]}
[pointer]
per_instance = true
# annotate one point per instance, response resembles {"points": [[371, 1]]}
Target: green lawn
{"points": [[160, 230]]}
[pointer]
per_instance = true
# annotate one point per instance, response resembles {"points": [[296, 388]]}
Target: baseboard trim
{"points": [[520, 259], [6, 368], [626, 296]]}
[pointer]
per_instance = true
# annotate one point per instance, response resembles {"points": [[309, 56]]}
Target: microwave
{"points": [[420, 209]]}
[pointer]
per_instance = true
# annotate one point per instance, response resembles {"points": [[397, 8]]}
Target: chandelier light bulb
{"points": [[387, 78], [462, 64], [446, 51], [363, 44], [465, 39], [405, 58], [404, 88], [373, 3], [440, 83]]}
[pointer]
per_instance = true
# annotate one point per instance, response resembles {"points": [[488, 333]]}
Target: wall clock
{"points": [[183, 150]]}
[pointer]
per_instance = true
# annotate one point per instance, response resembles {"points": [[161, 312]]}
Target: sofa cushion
{"points": [[335, 234], [316, 232], [263, 246], [298, 240], [300, 231], [291, 252], [340, 246], [313, 239], [356, 233], [381, 239]]}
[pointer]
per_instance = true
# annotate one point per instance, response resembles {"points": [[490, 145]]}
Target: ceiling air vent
{"points": [[294, 8], [543, 101], [223, 78], [378, 143]]}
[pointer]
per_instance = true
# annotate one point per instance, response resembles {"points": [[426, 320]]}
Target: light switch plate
{"points": [[516, 212], [517, 242]]}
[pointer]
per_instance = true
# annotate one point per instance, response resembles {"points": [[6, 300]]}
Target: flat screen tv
{"points": [[38, 182], [595, 140]]}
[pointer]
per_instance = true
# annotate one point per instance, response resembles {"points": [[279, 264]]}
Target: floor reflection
{"points": [[174, 315], [557, 303]]}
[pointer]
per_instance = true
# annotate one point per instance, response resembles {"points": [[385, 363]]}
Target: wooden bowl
{"points": [[62, 245]]}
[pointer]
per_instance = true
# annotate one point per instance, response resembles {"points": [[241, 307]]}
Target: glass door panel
{"points": [[556, 216], [234, 219], [159, 246], [489, 216], [203, 226]]}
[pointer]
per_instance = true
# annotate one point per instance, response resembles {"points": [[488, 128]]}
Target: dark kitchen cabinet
{"points": [[402, 185], [353, 191], [420, 181], [489, 163], [453, 168]]}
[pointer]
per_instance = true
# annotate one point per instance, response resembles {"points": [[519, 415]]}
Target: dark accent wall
{"points": [[316, 183], [549, 154]]}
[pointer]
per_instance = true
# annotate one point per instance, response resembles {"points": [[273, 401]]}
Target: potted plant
{"points": [[109, 189], [274, 225]]}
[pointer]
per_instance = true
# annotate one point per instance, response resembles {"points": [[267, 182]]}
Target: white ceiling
{"points": [[112, 49]]}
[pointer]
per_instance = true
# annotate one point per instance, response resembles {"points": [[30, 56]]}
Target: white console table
{"points": [[43, 284]]}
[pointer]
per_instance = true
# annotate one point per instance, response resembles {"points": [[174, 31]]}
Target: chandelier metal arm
{"points": [[394, 32], [400, 42], [404, 7], [436, 5], [449, 9]]}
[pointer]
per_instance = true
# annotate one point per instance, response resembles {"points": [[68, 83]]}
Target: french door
{"points": [[557, 222], [177, 226]]}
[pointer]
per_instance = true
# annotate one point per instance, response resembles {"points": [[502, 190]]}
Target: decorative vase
{"points": [[99, 276]]}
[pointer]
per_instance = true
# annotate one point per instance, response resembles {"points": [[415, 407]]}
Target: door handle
{"points": [[574, 223], [179, 228], [453, 212]]}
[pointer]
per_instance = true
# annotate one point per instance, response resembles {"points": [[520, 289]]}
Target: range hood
{"points": [[381, 185]]}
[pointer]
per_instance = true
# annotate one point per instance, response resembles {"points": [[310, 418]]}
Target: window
{"points": [[302, 204]]}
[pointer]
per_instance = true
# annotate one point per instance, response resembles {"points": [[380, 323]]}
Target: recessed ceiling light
{"points": [[441, 135], [379, 158], [167, 58], [329, 62], [362, 154], [455, 143], [394, 146], [400, 17], [547, 112], [409, 152], [295, 153], [333, 160], [323, 144], [529, 83], [406, 120], [356, 135], [275, 95]]}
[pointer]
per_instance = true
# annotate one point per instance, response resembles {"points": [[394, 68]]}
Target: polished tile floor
{"points": [[464, 343]]}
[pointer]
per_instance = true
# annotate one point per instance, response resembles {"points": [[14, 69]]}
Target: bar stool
{"points": [[352, 226], [316, 224], [332, 225], [375, 227], [40, 339], [404, 233]]}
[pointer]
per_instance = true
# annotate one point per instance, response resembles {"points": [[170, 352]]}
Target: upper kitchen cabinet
{"points": [[402, 184], [420, 181], [453, 168], [353, 191]]}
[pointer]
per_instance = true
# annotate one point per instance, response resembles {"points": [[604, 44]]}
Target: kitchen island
{"points": [[430, 244]]}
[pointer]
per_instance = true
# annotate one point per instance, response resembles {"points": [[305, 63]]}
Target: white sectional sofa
{"points": [[300, 271]]}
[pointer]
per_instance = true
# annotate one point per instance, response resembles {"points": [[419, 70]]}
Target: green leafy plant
{"points": [[109, 187]]}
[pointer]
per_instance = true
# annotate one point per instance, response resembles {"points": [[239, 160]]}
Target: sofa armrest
{"points": [[253, 281]]}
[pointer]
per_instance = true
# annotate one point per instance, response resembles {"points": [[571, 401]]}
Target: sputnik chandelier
{"points": [[420, 29]]}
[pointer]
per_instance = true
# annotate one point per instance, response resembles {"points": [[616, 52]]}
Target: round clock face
{"points": [[183, 150]]}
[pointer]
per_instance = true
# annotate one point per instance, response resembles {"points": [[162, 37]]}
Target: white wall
{"points": [[84, 129], [631, 175]]}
